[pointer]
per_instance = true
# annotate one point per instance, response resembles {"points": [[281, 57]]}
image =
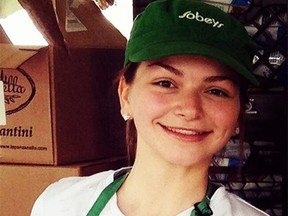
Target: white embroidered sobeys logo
{"points": [[199, 18]]}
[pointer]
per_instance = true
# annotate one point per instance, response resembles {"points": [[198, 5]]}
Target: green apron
{"points": [[200, 209]]}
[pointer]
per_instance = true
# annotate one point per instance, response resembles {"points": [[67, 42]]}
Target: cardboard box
{"points": [[20, 185], [60, 103], [61, 106]]}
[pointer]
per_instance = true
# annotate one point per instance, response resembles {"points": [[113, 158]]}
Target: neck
{"points": [[161, 188]]}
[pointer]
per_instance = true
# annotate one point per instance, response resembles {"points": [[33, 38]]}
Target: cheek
{"points": [[226, 115], [149, 104]]}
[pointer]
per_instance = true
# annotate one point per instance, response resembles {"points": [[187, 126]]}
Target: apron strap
{"points": [[105, 196], [203, 208]]}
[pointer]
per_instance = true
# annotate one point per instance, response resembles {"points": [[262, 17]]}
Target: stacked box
{"points": [[61, 105], [20, 185]]}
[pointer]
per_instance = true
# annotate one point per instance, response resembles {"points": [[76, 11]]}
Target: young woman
{"points": [[182, 93]]}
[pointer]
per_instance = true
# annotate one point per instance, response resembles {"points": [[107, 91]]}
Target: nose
{"points": [[189, 106]]}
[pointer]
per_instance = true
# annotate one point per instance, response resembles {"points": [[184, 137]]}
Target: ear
{"points": [[123, 94]]}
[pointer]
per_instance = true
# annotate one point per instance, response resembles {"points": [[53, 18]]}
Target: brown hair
{"points": [[128, 73]]}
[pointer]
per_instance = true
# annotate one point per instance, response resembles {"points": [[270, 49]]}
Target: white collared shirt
{"points": [[74, 196]]}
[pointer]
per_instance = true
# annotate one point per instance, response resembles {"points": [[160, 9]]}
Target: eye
{"points": [[218, 92], [165, 84]]}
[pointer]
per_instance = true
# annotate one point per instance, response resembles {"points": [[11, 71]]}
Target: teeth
{"points": [[183, 131]]}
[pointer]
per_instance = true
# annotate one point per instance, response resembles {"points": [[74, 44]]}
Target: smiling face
{"points": [[185, 108]]}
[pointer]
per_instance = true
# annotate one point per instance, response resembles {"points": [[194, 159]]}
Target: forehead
{"points": [[185, 63]]}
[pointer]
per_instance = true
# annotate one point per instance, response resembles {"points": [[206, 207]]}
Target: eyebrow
{"points": [[167, 67], [180, 73], [221, 78]]}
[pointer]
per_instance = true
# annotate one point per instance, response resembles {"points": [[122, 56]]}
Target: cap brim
{"points": [[161, 50]]}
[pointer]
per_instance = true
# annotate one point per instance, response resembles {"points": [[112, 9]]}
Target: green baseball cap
{"points": [[191, 27]]}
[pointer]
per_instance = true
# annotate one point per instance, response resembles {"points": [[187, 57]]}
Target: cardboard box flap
{"points": [[43, 16], [3, 36], [97, 31], [13, 56], [51, 17]]}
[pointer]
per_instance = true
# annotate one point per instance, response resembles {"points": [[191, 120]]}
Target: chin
{"points": [[187, 161]]}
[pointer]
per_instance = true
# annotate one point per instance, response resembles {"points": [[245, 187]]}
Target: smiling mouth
{"points": [[185, 131], [187, 135]]}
